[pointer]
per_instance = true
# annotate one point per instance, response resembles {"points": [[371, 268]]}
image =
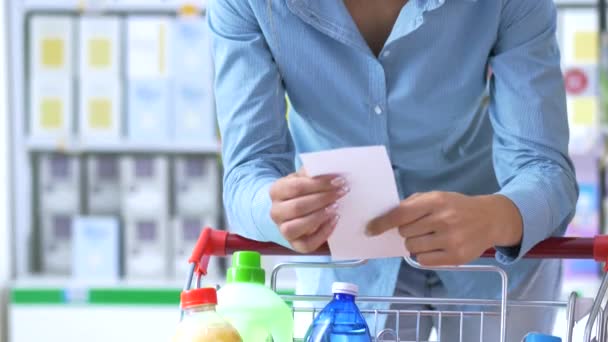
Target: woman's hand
{"points": [[305, 208], [447, 228]]}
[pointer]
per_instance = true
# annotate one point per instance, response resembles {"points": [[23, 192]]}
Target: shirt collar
{"points": [[332, 18]]}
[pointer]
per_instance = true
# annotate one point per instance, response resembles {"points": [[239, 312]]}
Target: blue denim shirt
{"points": [[421, 98]]}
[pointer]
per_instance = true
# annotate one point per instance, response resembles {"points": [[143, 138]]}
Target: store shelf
{"points": [[50, 282], [127, 6], [75, 147], [65, 291], [62, 291], [95, 296], [43, 281]]}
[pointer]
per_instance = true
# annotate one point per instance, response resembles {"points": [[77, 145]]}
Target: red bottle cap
{"points": [[197, 297]]}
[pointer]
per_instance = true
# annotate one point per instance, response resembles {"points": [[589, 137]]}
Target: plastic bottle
{"points": [[536, 337], [253, 309], [341, 319], [201, 323]]}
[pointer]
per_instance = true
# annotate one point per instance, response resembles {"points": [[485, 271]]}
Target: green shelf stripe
{"points": [[95, 296], [103, 296], [37, 296], [134, 296]]}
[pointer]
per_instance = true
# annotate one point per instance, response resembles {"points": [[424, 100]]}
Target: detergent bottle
{"points": [[200, 322], [340, 320], [254, 310]]}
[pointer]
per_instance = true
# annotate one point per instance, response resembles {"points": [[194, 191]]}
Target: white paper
{"points": [[373, 191]]}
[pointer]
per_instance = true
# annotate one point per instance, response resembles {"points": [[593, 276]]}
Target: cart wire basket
{"points": [[590, 312]]}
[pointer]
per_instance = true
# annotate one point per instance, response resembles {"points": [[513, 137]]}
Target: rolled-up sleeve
{"points": [[257, 147], [528, 112]]}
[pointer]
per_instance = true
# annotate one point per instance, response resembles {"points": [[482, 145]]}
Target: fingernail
{"points": [[332, 208], [368, 231], [335, 220], [343, 191], [338, 181]]}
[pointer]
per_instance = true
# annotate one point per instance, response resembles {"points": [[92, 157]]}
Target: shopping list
{"points": [[373, 191]]}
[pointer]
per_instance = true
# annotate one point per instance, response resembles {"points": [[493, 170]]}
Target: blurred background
{"points": [[109, 161]]}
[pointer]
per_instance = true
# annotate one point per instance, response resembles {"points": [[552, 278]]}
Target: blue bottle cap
{"points": [[536, 337]]}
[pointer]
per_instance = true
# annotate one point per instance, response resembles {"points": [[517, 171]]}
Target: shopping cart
{"points": [[220, 243]]}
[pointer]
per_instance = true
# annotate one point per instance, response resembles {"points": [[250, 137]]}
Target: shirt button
{"points": [[386, 53], [378, 110]]}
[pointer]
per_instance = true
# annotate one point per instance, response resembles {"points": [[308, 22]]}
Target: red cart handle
{"points": [[214, 242]]}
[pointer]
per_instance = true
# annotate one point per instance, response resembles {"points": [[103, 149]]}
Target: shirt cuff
{"points": [[536, 217], [260, 212]]}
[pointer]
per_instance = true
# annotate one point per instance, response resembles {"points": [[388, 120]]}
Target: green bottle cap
{"points": [[246, 268]]}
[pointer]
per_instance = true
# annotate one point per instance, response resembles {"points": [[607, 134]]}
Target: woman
{"points": [[409, 75]]}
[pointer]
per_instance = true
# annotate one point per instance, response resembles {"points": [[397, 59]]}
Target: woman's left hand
{"points": [[448, 228]]}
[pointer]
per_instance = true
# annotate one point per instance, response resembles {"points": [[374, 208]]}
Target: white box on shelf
{"points": [[148, 110], [51, 108], [103, 185], [56, 242], [59, 182], [96, 251], [194, 110], [100, 46], [192, 49], [186, 231], [51, 45], [196, 186], [148, 70], [59, 203], [148, 42], [145, 213], [100, 109], [147, 246], [194, 105]]}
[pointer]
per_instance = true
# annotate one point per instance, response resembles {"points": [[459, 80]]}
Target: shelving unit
{"points": [[23, 147], [76, 147], [63, 298]]}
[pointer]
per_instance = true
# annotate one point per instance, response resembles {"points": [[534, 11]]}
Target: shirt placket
{"points": [[378, 109]]}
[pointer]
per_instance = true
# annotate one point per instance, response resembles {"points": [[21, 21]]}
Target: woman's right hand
{"points": [[305, 208]]}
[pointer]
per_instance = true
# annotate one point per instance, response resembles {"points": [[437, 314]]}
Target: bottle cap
{"points": [[536, 337], [197, 297], [346, 288], [246, 268]]}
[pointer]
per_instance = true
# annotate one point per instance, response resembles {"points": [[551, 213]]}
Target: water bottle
{"points": [[340, 320]]}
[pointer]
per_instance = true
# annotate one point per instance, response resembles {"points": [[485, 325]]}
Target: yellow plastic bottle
{"points": [[201, 323]]}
